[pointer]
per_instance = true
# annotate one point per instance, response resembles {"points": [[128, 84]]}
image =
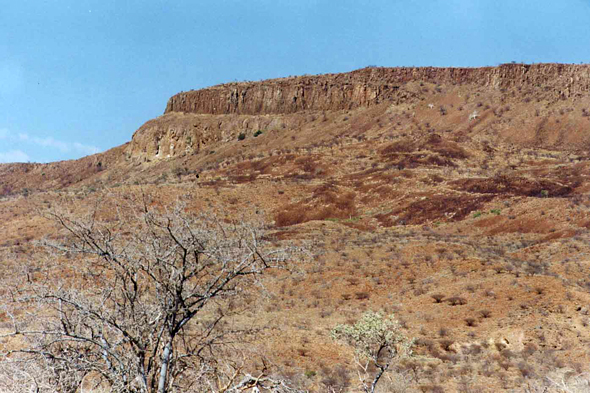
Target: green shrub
{"points": [[242, 136], [259, 132], [377, 341]]}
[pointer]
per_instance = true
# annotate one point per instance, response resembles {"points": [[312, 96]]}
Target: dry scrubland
{"points": [[457, 200]]}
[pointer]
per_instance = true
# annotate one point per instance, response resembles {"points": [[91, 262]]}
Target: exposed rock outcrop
{"points": [[197, 119], [177, 134], [370, 86]]}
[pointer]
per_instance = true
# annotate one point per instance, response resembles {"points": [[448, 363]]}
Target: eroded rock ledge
{"points": [[371, 86]]}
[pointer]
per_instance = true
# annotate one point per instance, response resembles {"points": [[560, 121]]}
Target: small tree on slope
{"points": [[377, 341]]}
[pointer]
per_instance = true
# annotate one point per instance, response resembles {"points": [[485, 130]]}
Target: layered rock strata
{"points": [[370, 86]]}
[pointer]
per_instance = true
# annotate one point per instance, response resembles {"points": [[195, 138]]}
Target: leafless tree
{"points": [[140, 306]]}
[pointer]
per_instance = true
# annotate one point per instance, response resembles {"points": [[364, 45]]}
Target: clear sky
{"points": [[80, 76]]}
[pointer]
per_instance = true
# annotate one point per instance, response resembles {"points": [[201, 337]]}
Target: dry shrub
{"points": [[526, 370], [432, 389], [457, 300], [336, 379], [307, 164], [362, 295], [472, 322], [446, 345], [438, 297]]}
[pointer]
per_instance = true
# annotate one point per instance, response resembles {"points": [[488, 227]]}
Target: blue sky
{"points": [[78, 77]]}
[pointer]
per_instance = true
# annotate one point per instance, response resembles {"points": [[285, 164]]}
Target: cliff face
{"points": [[549, 102], [177, 134], [372, 86]]}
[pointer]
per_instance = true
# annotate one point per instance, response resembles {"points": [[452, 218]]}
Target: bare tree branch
{"points": [[138, 310]]}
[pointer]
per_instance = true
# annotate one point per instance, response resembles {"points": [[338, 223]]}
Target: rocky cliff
{"points": [[548, 103], [372, 86], [177, 134]]}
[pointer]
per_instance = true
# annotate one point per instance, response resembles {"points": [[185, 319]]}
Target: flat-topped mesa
{"points": [[370, 86]]}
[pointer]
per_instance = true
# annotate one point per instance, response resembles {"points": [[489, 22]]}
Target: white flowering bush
{"points": [[377, 341]]}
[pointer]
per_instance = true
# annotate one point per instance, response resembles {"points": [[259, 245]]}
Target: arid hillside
{"points": [[456, 198]]}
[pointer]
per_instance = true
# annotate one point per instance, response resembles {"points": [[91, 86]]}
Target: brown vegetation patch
{"points": [[433, 150], [282, 235], [265, 165], [361, 225], [489, 222], [373, 174], [573, 176], [249, 170], [369, 180], [375, 184], [418, 160], [301, 167], [376, 192], [309, 167], [508, 185], [565, 234], [433, 142], [328, 201], [434, 208], [496, 225]]}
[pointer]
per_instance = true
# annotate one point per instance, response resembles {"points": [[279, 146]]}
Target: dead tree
{"points": [[142, 304]]}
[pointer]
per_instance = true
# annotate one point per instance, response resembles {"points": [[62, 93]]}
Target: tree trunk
{"points": [[378, 376], [164, 368]]}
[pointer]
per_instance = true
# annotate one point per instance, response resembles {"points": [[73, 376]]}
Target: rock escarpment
{"points": [[178, 134], [549, 103], [372, 86]]}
